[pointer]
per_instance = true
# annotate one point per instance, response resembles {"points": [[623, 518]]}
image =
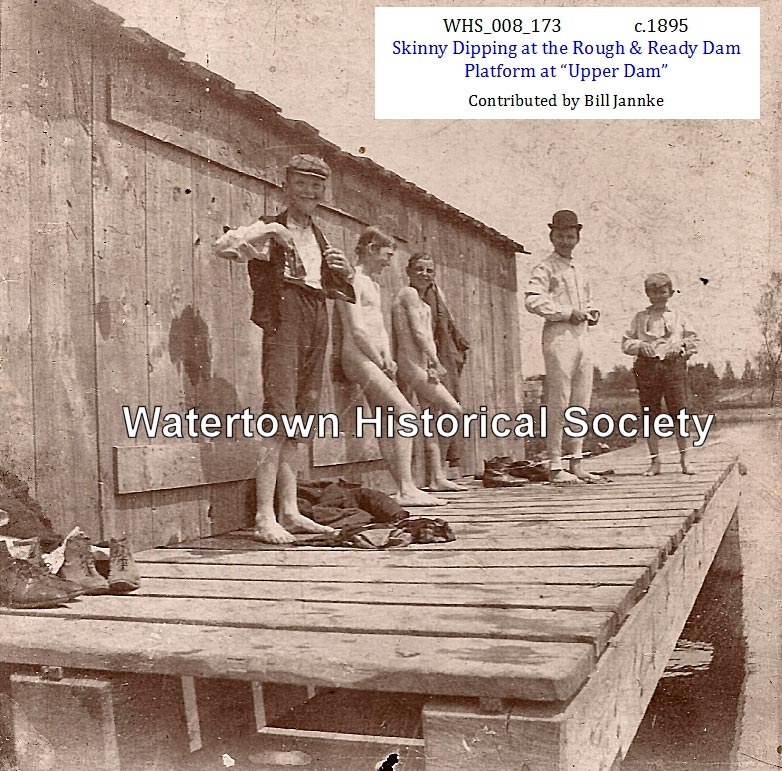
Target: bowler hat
{"points": [[564, 219], [310, 165]]}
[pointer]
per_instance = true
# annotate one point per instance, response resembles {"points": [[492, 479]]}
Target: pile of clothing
{"points": [[365, 518], [504, 471]]}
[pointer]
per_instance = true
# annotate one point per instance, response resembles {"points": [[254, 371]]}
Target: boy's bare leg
{"points": [[438, 399], [397, 451], [267, 529], [275, 475], [681, 442], [290, 518], [653, 443]]}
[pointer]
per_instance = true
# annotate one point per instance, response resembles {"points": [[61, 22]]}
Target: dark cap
{"points": [[564, 219], [308, 164]]}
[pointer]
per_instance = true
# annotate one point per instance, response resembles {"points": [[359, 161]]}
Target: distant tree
{"points": [[729, 379], [769, 314], [704, 384], [748, 377], [619, 380], [597, 379]]}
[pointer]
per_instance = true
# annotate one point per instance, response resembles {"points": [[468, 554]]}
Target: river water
{"points": [[718, 706]]}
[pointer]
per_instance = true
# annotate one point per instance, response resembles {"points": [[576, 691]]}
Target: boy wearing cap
{"points": [[292, 271], [559, 292], [661, 340]]}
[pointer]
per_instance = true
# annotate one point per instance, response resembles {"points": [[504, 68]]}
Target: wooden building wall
{"points": [[120, 165]]}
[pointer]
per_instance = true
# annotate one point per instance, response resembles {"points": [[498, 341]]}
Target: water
{"points": [[718, 706]]}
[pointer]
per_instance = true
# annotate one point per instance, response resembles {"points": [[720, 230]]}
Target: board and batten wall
{"points": [[120, 165]]}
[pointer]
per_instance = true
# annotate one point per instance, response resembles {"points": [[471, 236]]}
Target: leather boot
{"points": [[28, 584], [79, 566], [123, 573]]}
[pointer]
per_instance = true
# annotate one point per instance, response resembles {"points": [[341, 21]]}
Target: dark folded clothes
{"points": [[384, 536], [343, 503], [501, 470], [20, 519]]}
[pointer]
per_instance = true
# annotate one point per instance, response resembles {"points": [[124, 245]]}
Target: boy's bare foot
{"points": [[587, 476], [686, 469], [298, 523], [272, 532], [561, 477], [654, 468], [446, 485], [417, 497]]}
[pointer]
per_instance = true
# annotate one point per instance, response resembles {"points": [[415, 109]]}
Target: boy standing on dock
{"points": [[559, 292], [292, 271], [661, 340]]}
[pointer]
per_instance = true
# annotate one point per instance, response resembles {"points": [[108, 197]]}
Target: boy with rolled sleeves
{"points": [[559, 293], [292, 271], [661, 340]]}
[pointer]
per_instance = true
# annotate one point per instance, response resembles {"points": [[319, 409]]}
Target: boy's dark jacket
{"points": [[266, 279]]}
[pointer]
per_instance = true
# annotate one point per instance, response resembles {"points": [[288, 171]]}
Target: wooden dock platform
{"points": [[540, 633]]}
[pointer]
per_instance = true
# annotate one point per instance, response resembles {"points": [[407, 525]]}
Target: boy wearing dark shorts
{"points": [[292, 271], [662, 341]]}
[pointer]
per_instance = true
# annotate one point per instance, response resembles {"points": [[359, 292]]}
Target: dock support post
{"points": [[65, 724]]}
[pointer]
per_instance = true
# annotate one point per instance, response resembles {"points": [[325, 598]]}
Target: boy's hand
{"points": [[645, 349], [578, 317], [336, 260]]}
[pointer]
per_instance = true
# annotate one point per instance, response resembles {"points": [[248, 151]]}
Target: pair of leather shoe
{"points": [[79, 566]]}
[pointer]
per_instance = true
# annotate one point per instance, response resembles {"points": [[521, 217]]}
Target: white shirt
{"points": [[309, 253], [556, 288]]}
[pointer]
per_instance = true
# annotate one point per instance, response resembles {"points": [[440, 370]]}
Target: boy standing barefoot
{"points": [[662, 341], [367, 361]]}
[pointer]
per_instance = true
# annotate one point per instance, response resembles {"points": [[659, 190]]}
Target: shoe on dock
{"points": [[123, 573], [79, 565], [29, 584]]}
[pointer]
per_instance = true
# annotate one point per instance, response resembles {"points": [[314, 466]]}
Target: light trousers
{"points": [[569, 372]]}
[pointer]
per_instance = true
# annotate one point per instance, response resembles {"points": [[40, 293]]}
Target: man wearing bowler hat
{"points": [[559, 292], [292, 271]]}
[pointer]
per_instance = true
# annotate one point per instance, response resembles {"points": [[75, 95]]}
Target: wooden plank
{"points": [[540, 625], [171, 321], [248, 203], [581, 521], [187, 464], [512, 533], [604, 576], [543, 537], [17, 429], [119, 206], [616, 599], [415, 664], [564, 513], [72, 717], [399, 558], [61, 289], [154, 108], [598, 725], [616, 507]]}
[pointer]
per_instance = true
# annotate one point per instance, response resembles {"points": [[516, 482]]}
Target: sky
{"points": [[696, 199]]}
